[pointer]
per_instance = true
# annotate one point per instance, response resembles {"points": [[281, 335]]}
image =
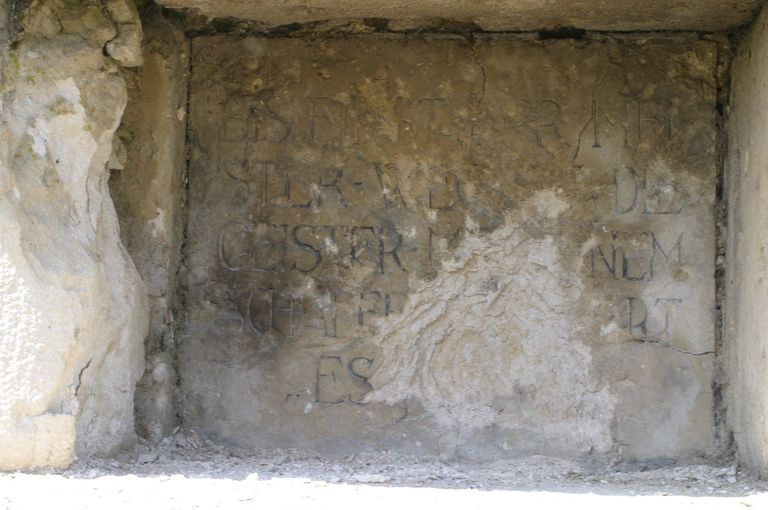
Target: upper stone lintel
{"points": [[493, 15]]}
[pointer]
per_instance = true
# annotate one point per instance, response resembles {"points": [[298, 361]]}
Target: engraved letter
{"points": [[644, 127], [662, 199], [393, 251], [638, 314], [678, 246], [328, 386], [356, 368], [306, 247], [235, 246], [334, 184], [371, 308], [626, 185], [389, 188], [548, 120], [652, 323]]}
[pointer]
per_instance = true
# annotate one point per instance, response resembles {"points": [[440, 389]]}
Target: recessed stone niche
{"points": [[384, 226], [480, 248]]}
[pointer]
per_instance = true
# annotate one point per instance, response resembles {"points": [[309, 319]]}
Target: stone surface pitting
{"points": [[487, 249], [709, 15]]}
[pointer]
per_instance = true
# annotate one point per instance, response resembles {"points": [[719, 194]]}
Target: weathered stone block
{"points": [[72, 307], [487, 249]]}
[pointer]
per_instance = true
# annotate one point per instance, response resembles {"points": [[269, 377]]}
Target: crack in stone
{"points": [[80, 376], [672, 347], [482, 70]]}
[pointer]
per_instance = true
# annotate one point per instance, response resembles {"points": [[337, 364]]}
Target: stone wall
{"points": [[746, 338], [474, 249], [73, 311]]}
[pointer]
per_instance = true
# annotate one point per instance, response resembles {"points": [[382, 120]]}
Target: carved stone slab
{"points": [[486, 249]]}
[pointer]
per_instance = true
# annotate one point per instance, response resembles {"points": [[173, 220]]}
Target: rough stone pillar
{"points": [[147, 183], [73, 310], [746, 339]]}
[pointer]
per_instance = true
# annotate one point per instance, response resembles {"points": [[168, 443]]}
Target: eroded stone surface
{"points": [[147, 183], [492, 14], [483, 250], [72, 307]]}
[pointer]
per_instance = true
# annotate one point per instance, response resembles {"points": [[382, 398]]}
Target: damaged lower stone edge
{"points": [[74, 310]]}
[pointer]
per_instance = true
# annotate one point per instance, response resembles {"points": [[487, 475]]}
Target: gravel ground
{"points": [[187, 473]]}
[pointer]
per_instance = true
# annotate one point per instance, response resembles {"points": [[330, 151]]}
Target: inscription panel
{"points": [[495, 248]]}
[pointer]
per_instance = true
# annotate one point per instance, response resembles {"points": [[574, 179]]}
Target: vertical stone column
{"points": [[147, 183], [73, 310], [746, 337]]}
